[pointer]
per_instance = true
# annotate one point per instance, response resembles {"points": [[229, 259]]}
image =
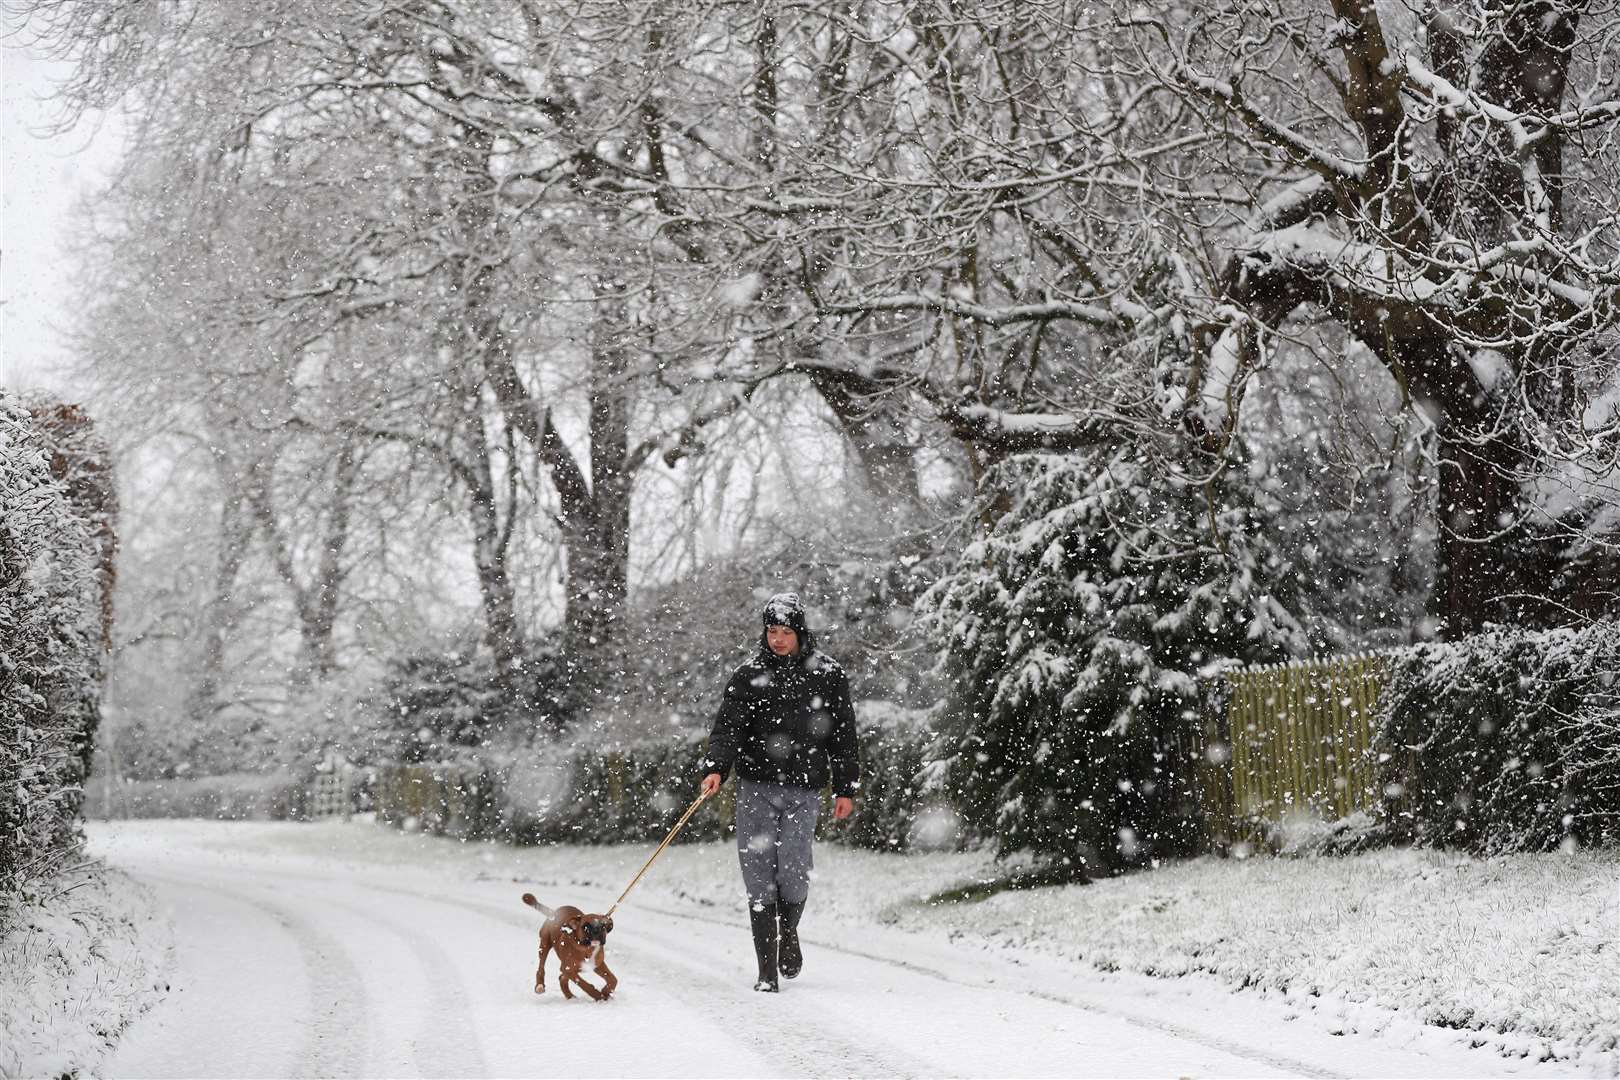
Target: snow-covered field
{"points": [[1397, 963]]}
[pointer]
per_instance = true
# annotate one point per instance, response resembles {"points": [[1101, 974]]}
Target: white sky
{"points": [[41, 181]]}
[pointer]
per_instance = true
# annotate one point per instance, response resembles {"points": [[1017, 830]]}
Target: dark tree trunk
{"points": [[595, 511], [1495, 560], [1482, 570], [874, 428]]}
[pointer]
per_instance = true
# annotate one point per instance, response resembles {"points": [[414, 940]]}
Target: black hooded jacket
{"points": [[787, 719]]}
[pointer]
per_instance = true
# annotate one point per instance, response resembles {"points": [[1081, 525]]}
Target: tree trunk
{"points": [[1488, 565], [320, 639], [219, 614], [316, 603], [594, 511], [596, 517], [874, 429], [503, 633]]}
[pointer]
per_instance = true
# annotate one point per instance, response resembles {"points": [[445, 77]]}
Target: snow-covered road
{"points": [[291, 964]]}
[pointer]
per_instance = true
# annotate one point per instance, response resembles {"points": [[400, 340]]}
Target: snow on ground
{"points": [[1349, 963], [76, 968], [1522, 952]]}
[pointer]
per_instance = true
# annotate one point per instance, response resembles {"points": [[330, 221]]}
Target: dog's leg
{"points": [[610, 982], [595, 994], [540, 972], [568, 975]]}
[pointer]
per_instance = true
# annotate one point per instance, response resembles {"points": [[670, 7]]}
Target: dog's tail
{"points": [[528, 898]]}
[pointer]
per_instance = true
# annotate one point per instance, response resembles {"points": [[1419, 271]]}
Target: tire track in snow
{"points": [[1166, 1027], [446, 1004], [335, 1044], [801, 1051], [809, 1051]]}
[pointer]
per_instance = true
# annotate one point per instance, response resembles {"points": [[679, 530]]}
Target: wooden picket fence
{"points": [[1293, 740]]}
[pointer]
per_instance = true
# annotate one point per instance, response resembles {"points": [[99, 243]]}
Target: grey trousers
{"points": [[776, 827]]}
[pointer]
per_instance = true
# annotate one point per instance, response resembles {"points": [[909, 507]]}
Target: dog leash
{"points": [[660, 851]]}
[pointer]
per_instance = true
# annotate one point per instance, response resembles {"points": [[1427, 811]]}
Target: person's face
{"points": [[781, 640]]}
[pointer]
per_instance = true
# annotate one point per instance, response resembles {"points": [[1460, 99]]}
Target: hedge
{"points": [[1505, 741], [50, 659]]}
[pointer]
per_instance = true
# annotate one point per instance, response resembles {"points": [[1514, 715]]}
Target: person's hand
{"points": [[710, 785], [842, 808]]}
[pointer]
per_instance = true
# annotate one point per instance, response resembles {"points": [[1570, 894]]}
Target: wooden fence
{"points": [[1293, 741]]}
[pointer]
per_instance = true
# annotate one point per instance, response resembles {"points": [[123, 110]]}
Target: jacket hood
{"points": [[785, 609]]}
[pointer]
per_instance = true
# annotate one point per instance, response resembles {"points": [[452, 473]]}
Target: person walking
{"points": [[787, 724]]}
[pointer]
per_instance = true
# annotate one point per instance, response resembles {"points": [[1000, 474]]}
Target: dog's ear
{"points": [[607, 925]]}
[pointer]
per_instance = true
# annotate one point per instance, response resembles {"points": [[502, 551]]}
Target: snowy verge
{"points": [[1518, 951], [76, 968]]}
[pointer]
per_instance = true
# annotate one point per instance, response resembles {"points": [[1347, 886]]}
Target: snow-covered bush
{"points": [[895, 812], [456, 798], [50, 648], [1075, 628], [433, 705], [241, 796], [1508, 740], [595, 791]]}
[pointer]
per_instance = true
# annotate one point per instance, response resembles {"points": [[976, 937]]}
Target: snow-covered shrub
{"points": [[240, 796], [83, 464], [50, 647], [1075, 628], [630, 793], [457, 798], [595, 791], [1506, 741], [895, 814], [433, 705]]}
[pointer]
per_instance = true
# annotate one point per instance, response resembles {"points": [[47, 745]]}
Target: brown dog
{"points": [[577, 937]]}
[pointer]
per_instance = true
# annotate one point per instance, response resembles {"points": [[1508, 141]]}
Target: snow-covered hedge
{"points": [[600, 793], [50, 648], [1506, 741]]}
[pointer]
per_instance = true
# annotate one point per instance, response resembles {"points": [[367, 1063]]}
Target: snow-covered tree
{"points": [[1075, 629], [496, 182], [1065, 222]]}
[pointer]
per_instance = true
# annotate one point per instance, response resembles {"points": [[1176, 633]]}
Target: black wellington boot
{"points": [[763, 922], [792, 959]]}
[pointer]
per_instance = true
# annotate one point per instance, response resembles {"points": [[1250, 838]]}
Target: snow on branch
{"points": [[1015, 432], [1443, 93], [1091, 314], [1320, 160]]}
